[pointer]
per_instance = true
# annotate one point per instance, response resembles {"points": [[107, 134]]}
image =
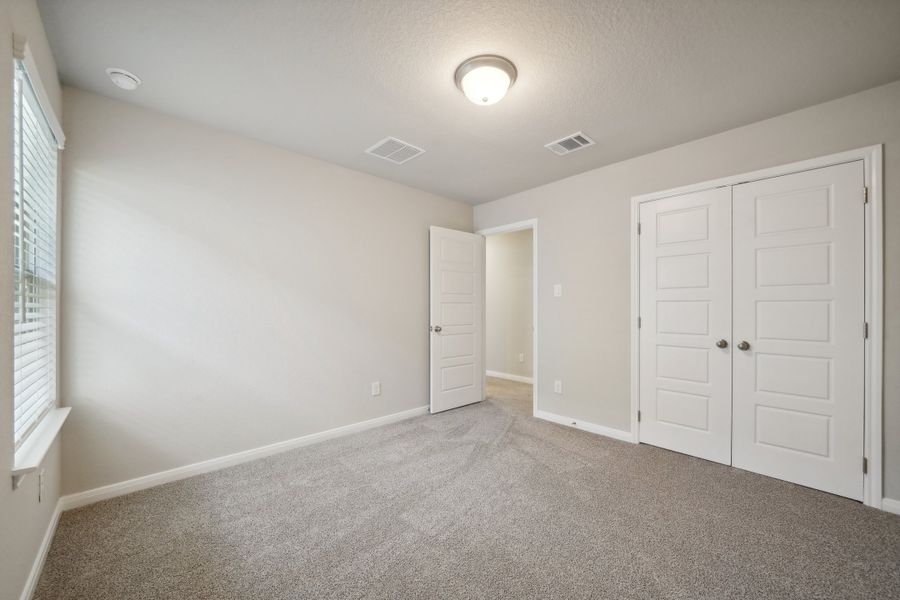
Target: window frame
{"points": [[25, 69]]}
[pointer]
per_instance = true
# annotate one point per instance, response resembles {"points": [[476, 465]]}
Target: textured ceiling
{"points": [[328, 78]]}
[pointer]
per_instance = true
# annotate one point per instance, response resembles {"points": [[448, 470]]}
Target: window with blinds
{"points": [[34, 258]]}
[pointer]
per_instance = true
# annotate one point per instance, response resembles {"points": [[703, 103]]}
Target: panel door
{"points": [[457, 318], [685, 300], [799, 305]]}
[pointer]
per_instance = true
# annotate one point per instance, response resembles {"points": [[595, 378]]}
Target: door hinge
{"points": [[865, 195], [866, 330], [865, 465], [639, 416], [639, 322], [639, 229]]}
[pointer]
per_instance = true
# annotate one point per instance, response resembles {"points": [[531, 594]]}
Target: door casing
{"points": [[874, 290], [531, 224]]}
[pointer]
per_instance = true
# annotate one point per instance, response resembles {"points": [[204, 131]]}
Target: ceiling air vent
{"points": [[569, 144], [394, 150]]}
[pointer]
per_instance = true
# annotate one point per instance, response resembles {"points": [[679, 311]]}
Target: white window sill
{"points": [[31, 454]]}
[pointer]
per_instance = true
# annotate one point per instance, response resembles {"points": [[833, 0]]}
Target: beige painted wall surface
{"points": [[223, 294], [509, 294], [584, 244], [23, 521]]}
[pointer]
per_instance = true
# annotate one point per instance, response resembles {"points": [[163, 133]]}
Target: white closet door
{"points": [[685, 266], [799, 304]]}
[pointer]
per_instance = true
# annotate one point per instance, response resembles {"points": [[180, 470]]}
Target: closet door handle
{"points": [[722, 344], [744, 345]]}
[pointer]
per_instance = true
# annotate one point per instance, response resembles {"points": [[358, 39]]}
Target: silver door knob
{"points": [[722, 344], [744, 345], [436, 328]]}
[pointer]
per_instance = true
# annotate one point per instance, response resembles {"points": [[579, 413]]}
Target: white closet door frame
{"points": [[874, 252]]}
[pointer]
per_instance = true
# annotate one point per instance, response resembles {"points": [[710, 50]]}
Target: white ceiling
{"points": [[329, 78]]}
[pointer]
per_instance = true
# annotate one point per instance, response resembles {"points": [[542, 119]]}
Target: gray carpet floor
{"points": [[480, 502]]}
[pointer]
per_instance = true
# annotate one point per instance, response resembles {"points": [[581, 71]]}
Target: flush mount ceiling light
{"points": [[123, 79], [485, 79]]}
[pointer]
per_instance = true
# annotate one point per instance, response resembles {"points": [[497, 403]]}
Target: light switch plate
{"points": [[557, 290], [376, 388], [557, 386]]}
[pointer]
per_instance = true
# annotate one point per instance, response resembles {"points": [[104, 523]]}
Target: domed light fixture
{"points": [[485, 79], [123, 79]]}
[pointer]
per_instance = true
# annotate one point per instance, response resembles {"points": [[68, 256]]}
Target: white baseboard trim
{"points": [[35, 574], [510, 377], [890, 505], [616, 434], [147, 481]]}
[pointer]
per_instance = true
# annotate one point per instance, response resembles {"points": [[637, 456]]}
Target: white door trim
{"points": [[531, 224], [872, 160]]}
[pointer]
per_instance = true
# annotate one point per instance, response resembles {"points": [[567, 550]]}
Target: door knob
{"points": [[744, 345], [722, 344], [436, 328]]}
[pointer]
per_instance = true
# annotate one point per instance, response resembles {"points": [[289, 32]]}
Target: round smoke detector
{"points": [[123, 79]]}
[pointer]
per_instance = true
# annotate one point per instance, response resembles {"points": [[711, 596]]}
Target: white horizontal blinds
{"points": [[34, 209]]}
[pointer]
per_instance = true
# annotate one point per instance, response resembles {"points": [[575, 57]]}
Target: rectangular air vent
{"points": [[394, 150], [570, 144]]}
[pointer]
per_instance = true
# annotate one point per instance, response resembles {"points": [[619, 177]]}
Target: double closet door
{"points": [[752, 342]]}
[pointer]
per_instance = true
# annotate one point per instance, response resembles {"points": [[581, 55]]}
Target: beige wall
{"points": [[23, 521], [584, 244], [509, 295], [223, 294]]}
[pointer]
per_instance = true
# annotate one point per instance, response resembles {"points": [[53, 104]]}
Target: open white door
{"points": [[457, 318]]}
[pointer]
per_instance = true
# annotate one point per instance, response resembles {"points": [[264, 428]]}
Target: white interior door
{"points": [[685, 300], [799, 268], [457, 318]]}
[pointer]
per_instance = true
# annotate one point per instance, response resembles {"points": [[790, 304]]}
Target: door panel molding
{"points": [[874, 285]]}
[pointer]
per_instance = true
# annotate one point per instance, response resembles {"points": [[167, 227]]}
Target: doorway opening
{"points": [[511, 315]]}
